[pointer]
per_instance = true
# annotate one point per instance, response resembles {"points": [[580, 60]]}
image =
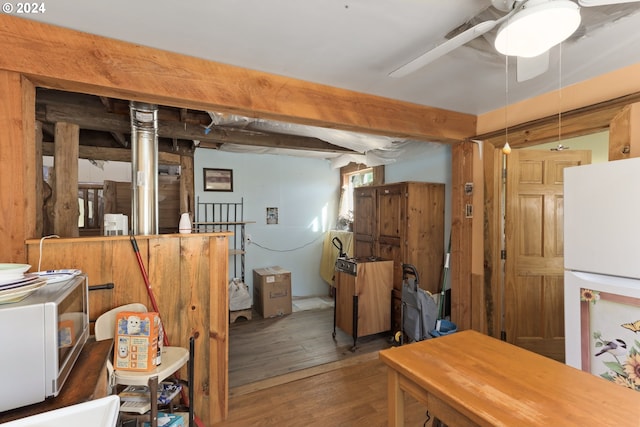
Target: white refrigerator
{"points": [[602, 269]]}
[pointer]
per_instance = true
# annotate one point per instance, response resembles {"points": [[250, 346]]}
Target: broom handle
{"points": [[154, 304]]}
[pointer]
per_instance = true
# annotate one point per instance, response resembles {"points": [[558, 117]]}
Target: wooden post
{"points": [[17, 174], [624, 133], [39, 181], [187, 190], [492, 166], [461, 234], [65, 192]]}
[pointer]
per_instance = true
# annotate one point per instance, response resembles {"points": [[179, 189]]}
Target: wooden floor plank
{"points": [[350, 396], [266, 348], [291, 372]]}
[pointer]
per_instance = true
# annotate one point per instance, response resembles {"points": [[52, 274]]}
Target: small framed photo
{"points": [[218, 180], [272, 215]]}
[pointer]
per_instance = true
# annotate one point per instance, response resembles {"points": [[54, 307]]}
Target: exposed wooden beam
{"points": [[64, 59], [112, 154], [120, 139], [108, 104], [99, 120]]}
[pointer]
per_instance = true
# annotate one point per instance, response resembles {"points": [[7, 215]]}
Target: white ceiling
{"points": [[355, 44]]}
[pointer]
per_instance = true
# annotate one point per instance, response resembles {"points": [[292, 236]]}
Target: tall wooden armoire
{"points": [[403, 222]]}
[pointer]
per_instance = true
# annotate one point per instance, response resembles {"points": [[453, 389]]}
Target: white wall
{"points": [[305, 191]]}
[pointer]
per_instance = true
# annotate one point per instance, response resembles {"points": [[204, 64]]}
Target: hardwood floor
{"points": [[290, 372], [266, 348], [352, 396]]}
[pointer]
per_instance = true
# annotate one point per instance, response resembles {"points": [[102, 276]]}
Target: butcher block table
{"points": [[470, 379]]}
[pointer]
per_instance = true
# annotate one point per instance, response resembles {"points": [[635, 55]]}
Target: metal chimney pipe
{"points": [[144, 168]]}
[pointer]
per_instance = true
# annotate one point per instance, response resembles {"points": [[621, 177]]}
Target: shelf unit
{"points": [[211, 217]]}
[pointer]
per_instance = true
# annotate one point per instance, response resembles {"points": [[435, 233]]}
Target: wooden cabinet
{"points": [[363, 300], [403, 222]]}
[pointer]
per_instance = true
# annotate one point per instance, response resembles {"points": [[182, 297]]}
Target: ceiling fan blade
{"points": [[589, 3], [528, 68], [444, 48], [457, 41]]}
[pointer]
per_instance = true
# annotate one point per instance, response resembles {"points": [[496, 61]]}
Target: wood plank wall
{"points": [[188, 275]]}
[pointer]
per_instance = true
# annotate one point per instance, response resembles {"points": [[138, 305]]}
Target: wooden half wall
{"points": [[188, 274]]}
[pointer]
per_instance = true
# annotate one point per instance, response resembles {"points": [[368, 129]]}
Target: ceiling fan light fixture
{"points": [[539, 26]]}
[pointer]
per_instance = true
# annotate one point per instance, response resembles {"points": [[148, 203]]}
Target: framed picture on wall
{"points": [[272, 215], [218, 179]]}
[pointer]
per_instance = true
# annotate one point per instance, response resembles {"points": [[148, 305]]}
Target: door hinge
{"points": [[503, 254]]}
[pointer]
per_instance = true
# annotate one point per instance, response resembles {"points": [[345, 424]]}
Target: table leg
{"points": [[395, 399]]}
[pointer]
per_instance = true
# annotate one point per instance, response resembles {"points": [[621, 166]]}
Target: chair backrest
{"points": [[105, 326]]}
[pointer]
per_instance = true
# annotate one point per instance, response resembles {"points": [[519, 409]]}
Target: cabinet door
{"points": [[392, 219], [364, 222], [393, 252], [391, 214]]}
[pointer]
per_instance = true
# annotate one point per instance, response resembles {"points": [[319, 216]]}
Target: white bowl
{"points": [[10, 269]]}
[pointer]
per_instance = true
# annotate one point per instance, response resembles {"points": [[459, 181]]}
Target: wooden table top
{"points": [[494, 383]]}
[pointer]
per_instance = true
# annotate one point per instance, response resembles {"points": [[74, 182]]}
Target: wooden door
{"points": [[533, 294], [364, 221]]}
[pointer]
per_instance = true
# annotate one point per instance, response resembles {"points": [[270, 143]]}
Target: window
{"points": [[354, 176]]}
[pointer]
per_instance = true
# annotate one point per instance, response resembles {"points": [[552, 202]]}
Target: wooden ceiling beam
{"points": [[111, 154], [99, 120], [120, 139], [65, 59]]}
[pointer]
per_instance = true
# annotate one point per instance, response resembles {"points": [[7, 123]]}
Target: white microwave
{"points": [[41, 338]]}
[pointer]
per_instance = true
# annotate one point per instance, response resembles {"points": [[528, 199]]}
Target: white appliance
{"points": [[116, 225], [602, 268], [41, 338], [101, 412]]}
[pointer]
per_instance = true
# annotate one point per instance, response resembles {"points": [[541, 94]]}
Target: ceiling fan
{"points": [[527, 31]]}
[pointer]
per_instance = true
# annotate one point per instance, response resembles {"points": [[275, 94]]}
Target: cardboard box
{"points": [[272, 291], [138, 343]]}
